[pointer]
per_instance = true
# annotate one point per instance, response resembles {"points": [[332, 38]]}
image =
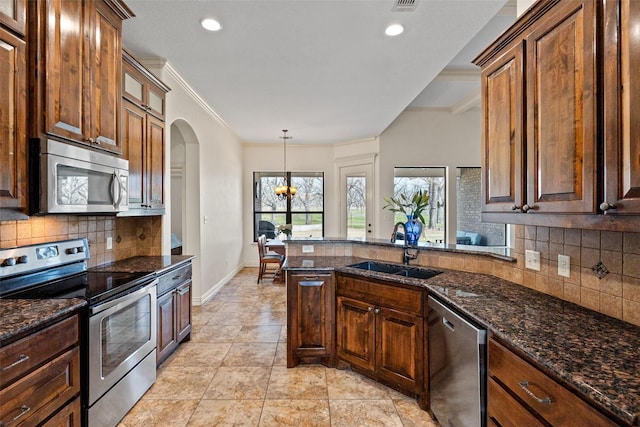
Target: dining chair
{"points": [[267, 258]]}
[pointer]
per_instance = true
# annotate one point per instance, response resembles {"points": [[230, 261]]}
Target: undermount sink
{"points": [[398, 270]]}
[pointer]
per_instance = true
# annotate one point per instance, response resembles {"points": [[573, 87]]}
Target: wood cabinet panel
{"points": [[69, 416], [621, 108], [42, 392], [538, 393], [397, 330], [167, 333], [503, 410], [356, 332], [155, 159], [503, 139], [183, 310], [134, 136], [13, 143], [562, 110], [310, 318], [20, 357]]}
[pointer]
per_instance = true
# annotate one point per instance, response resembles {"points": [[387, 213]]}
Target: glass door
{"points": [[356, 201]]}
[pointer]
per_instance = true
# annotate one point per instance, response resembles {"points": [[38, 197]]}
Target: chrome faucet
{"points": [[409, 253]]}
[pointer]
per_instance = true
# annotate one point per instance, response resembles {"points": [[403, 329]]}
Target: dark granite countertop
{"points": [[145, 264], [20, 317], [595, 355]]}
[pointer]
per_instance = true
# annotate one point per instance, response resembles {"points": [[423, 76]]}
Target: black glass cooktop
{"points": [[95, 287]]}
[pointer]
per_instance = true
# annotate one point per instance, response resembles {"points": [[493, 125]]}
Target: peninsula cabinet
{"points": [[75, 54], [380, 332], [519, 394], [310, 317], [558, 128], [143, 134], [174, 311], [13, 111]]}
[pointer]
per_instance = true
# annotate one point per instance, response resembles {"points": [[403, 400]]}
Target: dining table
{"points": [[277, 246]]}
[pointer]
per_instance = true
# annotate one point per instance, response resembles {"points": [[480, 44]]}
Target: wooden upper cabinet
{"points": [[561, 103], [621, 108], [155, 162], [13, 144], [143, 88], [13, 15], [77, 70], [502, 132]]}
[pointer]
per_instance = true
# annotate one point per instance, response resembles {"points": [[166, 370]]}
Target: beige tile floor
{"points": [[233, 373]]}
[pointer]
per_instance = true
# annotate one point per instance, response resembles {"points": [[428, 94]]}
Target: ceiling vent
{"points": [[404, 5]]}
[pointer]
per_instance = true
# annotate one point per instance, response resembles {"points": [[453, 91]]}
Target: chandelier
{"points": [[285, 191]]}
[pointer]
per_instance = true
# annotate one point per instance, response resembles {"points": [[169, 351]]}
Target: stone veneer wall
{"points": [[616, 295], [132, 236]]}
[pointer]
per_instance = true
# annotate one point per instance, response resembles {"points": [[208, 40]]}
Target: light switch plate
{"points": [[532, 260], [564, 265], [307, 249]]}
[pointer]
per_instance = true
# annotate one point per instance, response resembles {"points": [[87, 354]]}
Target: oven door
{"points": [[122, 332]]}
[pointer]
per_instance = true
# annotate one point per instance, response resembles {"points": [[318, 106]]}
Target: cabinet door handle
{"points": [[22, 358], [525, 386], [369, 308], [515, 208], [376, 311], [605, 206], [526, 208], [23, 410]]}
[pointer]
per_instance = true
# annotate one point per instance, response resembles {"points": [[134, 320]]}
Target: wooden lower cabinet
{"points": [[41, 377], [380, 331], [310, 318], [519, 394], [174, 311]]}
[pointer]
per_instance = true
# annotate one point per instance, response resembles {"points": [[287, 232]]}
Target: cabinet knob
{"points": [[376, 311], [91, 140], [515, 208], [369, 308], [526, 208], [605, 206]]}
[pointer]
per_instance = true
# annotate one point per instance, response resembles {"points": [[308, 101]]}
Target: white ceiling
{"points": [[321, 68]]}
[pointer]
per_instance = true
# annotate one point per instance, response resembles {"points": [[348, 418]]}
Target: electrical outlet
{"points": [[532, 260], [564, 265], [307, 249], [109, 243]]}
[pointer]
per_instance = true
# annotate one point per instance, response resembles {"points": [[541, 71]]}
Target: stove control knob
{"points": [[9, 262], [72, 251], [80, 249], [23, 259]]}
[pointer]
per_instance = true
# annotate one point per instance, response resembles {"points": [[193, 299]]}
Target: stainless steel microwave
{"points": [[70, 179]]}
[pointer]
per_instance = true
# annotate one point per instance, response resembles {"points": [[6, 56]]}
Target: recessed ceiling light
{"points": [[394, 30], [211, 24]]}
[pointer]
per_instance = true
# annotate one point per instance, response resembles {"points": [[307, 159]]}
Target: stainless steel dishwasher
{"points": [[457, 368]]}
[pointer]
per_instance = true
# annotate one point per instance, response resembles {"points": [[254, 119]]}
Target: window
{"points": [[470, 228], [305, 211], [408, 180]]}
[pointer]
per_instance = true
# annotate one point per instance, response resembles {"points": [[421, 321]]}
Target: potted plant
{"points": [[285, 229], [412, 208]]}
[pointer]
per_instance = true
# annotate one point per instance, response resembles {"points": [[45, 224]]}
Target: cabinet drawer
{"points": [[173, 278], [20, 357], [519, 376], [505, 411], [377, 293], [68, 416], [35, 397]]}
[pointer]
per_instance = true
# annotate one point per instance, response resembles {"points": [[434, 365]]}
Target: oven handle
{"points": [[124, 300]]}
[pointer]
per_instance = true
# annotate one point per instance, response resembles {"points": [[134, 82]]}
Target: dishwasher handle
{"points": [[448, 324]]}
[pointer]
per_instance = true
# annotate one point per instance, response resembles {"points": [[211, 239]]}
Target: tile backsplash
{"points": [[131, 236]]}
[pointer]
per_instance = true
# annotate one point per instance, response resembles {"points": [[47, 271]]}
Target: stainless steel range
{"points": [[118, 344]]}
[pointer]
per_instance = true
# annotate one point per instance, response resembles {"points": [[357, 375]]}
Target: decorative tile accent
{"points": [[600, 270]]}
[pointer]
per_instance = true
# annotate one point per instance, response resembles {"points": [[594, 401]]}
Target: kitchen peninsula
{"points": [[590, 357]]}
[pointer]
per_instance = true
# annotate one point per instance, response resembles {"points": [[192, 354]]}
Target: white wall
{"points": [[214, 155], [428, 138]]}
